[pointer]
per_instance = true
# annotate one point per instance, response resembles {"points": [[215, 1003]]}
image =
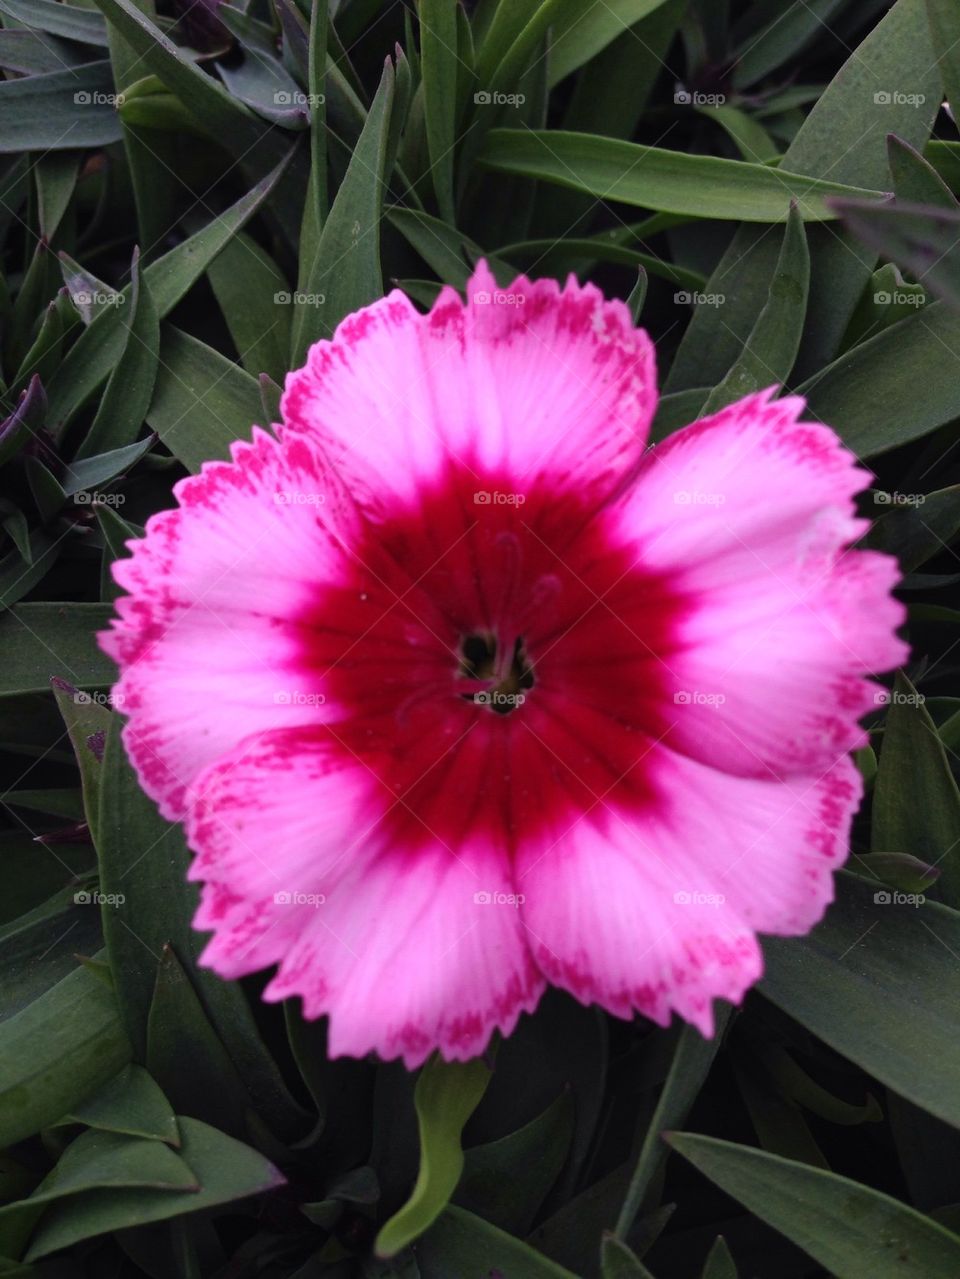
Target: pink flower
{"points": [[460, 692]]}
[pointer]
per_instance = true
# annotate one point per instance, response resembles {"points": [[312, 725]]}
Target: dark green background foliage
{"points": [[189, 196]]}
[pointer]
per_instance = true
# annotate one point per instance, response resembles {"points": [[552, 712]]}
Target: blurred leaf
{"points": [[506, 1181], [25, 421], [446, 1095], [41, 640], [55, 1051], [98, 348], [922, 239], [345, 272], [689, 1068], [638, 295], [620, 1262], [39, 112], [856, 1232], [719, 1264], [867, 399], [58, 19], [917, 530], [772, 346], [854, 981], [788, 32], [703, 185], [438, 52], [225, 1169], [916, 802], [915, 180], [460, 1243], [125, 401], [899, 870], [202, 402], [582, 33], [130, 1103], [33, 53]]}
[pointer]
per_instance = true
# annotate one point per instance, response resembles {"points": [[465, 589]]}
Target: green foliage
{"points": [[185, 207]]}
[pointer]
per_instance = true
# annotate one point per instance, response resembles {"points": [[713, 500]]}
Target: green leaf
{"points": [[86, 473], [60, 111], [620, 1262], [749, 136], [316, 201], [915, 180], [345, 272], [719, 1263], [774, 341], [899, 870], [945, 32], [99, 347], [855, 1232], [705, 186], [916, 802], [922, 239], [918, 526], [783, 39], [438, 51], [226, 1171], [32, 53], [42, 640], [256, 304], [459, 1243], [58, 19], [506, 1181], [202, 402], [866, 396], [689, 1068], [130, 1103], [86, 722], [55, 1051], [446, 1095], [553, 256], [854, 980], [56, 180], [582, 33], [129, 390]]}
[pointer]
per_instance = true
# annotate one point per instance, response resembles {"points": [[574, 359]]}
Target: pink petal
{"points": [[206, 640], [752, 511], [407, 950], [542, 382], [658, 913]]}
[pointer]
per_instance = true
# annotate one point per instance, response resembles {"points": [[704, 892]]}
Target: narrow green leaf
{"points": [[917, 525], [438, 51], [670, 181], [447, 1094], [638, 295], [944, 21], [584, 32], [60, 111], [689, 1068], [620, 1262], [922, 239], [202, 402], [87, 722], [256, 304], [129, 390], [345, 273], [459, 1243], [42, 640], [226, 1170], [852, 1230], [719, 1264], [56, 180], [786, 35], [915, 180], [749, 136], [774, 341], [55, 1052], [86, 473], [916, 802], [854, 980], [129, 1103], [62, 20]]}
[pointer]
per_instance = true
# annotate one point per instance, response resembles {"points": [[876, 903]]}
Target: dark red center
{"points": [[495, 662]]}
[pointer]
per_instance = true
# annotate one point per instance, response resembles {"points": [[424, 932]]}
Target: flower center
{"points": [[507, 679]]}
